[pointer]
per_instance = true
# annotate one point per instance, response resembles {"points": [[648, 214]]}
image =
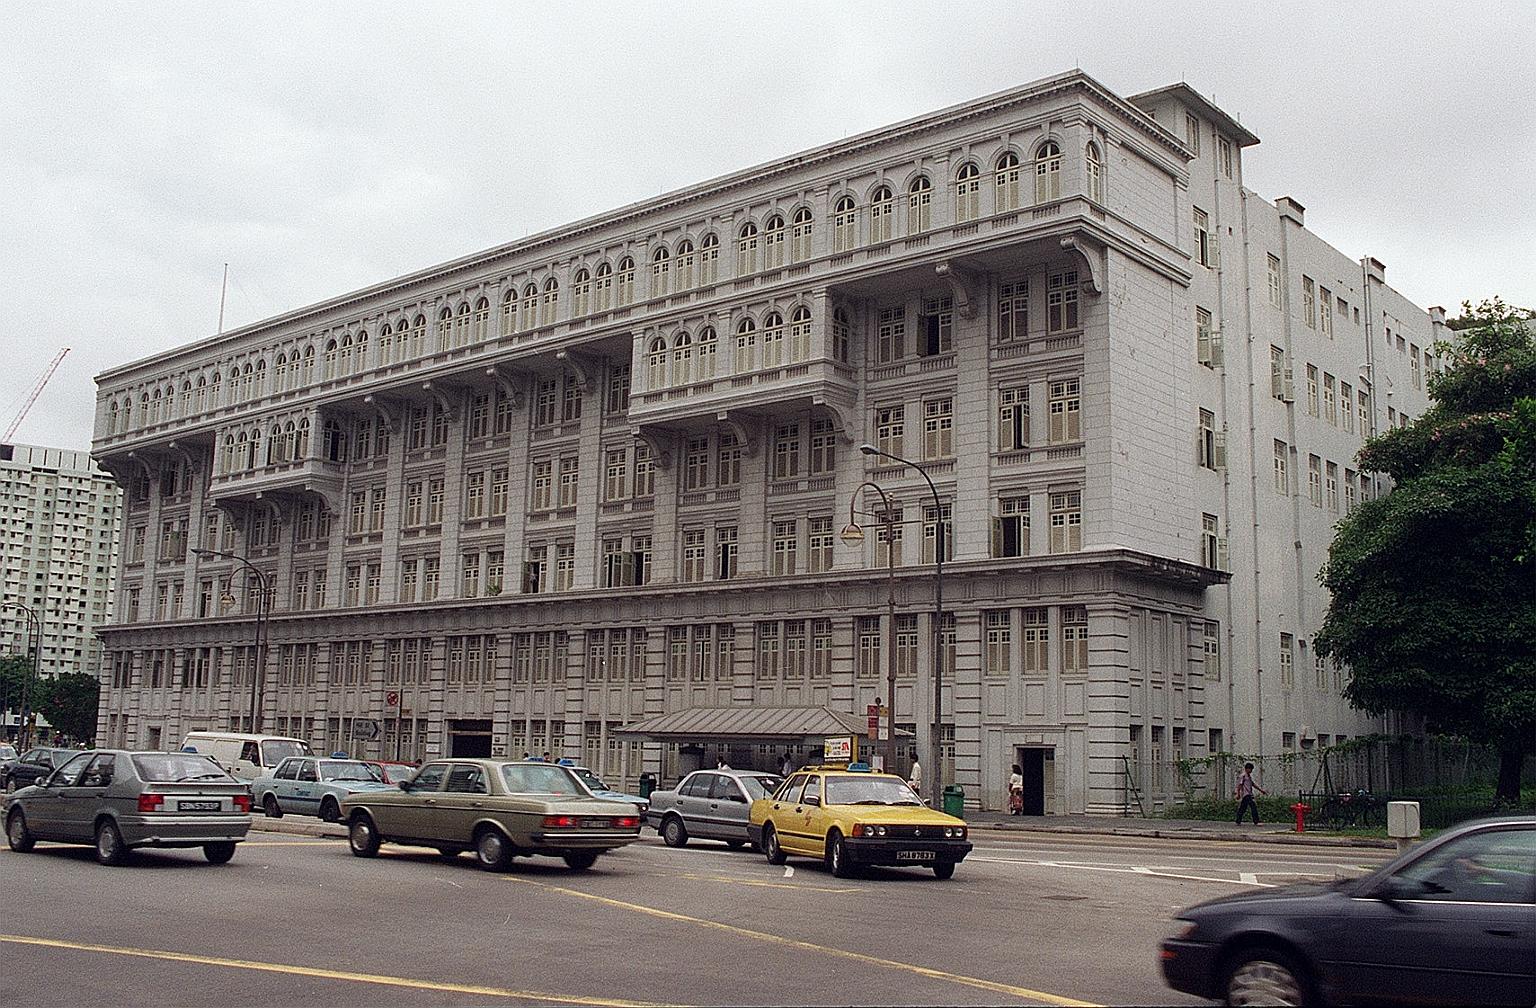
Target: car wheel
{"points": [[837, 856], [944, 869], [492, 850], [110, 849], [734, 844], [270, 808], [673, 832], [219, 853], [1265, 976], [330, 811], [581, 860], [363, 836], [16, 833], [771, 849]]}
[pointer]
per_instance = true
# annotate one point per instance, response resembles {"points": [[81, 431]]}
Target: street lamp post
{"points": [[35, 632], [263, 589], [935, 746], [853, 535]]}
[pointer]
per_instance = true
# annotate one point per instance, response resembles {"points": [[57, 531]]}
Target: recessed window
{"points": [[967, 193], [919, 205], [1007, 180], [1047, 172]]}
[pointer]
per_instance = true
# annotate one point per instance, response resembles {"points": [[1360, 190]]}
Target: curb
{"points": [[1299, 840], [261, 824]]}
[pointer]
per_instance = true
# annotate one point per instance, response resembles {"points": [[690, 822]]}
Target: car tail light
{"points": [[242, 803], [560, 821], [627, 822], [151, 802]]}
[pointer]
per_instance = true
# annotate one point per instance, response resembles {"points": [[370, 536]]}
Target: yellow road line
{"points": [[325, 974], [956, 978]]}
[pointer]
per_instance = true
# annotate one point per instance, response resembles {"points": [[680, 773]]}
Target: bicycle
{"points": [[1350, 809]]}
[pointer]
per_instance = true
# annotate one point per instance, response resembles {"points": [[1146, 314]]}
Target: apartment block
{"points": [[596, 478]]}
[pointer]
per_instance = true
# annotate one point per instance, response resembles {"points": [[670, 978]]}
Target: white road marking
{"points": [[789, 872], [1248, 877], [1119, 870]]}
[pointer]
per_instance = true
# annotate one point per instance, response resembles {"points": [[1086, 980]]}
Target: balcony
{"points": [[280, 479], [802, 384]]}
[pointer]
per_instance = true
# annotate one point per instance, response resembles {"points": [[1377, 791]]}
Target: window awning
{"points": [[753, 724]]}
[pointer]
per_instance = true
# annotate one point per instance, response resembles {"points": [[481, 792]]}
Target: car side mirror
{"points": [[405, 785], [812, 800], [1395, 887]]}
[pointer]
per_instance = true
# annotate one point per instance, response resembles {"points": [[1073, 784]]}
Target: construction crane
{"points": [[37, 390]]}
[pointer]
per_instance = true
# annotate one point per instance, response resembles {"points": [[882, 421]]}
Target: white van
{"points": [[245, 756]]}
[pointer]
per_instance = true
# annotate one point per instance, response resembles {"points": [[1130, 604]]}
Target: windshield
{"points": [[178, 767], [338, 770], [394, 773], [853, 789], [274, 751], [531, 778], [590, 779], [7, 752], [761, 787]]}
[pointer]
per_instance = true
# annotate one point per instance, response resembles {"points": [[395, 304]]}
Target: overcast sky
{"points": [[318, 148]]}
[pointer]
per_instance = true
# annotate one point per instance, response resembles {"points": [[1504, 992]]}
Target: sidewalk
{"points": [[1180, 829]]}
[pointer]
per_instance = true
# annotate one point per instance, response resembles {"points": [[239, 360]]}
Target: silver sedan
{"points": [[118, 800], [710, 804]]}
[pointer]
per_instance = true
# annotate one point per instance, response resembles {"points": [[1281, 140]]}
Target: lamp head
{"points": [[227, 600], [852, 534], [867, 448]]}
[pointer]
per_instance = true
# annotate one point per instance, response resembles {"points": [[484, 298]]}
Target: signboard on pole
{"points": [[874, 720], [838, 749]]}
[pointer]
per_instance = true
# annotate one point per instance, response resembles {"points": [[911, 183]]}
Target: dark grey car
{"points": [[1452, 922], [709, 804], [119, 800], [33, 765]]}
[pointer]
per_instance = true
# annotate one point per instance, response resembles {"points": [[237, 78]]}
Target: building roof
{"points": [[1189, 96], [700, 724]]}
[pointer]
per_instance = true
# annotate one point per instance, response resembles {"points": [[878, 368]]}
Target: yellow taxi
{"points": [[850, 816]]}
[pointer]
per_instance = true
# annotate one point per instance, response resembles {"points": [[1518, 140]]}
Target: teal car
{"points": [[307, 785], [592, 782]]}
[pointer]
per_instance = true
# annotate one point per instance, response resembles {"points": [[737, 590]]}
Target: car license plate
{"points": [[596, 823], [914, 855], [199, 806]]}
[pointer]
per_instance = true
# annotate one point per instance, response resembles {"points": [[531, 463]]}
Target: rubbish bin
{"points": [[954, 801], [647, 784]]}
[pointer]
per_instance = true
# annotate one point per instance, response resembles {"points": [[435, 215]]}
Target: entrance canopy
{"points": [[748, 724]]}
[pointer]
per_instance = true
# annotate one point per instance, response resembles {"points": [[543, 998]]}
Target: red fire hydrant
{"points": [[1301, 809]]}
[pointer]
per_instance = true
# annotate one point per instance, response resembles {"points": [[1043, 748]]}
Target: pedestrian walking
{"points": [[916, 780], [785, 766], [1246, 786], [1016, 790]]}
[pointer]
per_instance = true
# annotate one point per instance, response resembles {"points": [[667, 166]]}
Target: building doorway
{"points": [[1039, 766], [469, 738]]}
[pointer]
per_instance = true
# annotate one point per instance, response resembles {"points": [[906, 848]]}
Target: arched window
{"points": [[309, 366], [480, 327], [682, 266], [233, 389], [259, 379], [200, 394], [290, 442], [773, 340], [746, 346], [418, 335], [882, 215], [445, 329], [709, 259], [112, 416], [461, 325], [242, 453], [800, 235], [773, 242], [707, 345], [301, 441], [215, 391], [746, 249], [682, 359], [1009, 194], [509, 312], [967, 193], [1047, 172], [656, 364], [551, 301], [344, 357], [919, 205], [602, 287], [842, 334], [186, 398], [334, 446], [1095, 169], [360, 351], [328, 369], [386, 344], [625, 281], [845, 225], [530, 305], [800, 334], [227, 459], [661, 271], [275, 446], [280, 372], [581, 293], [247, 381]]}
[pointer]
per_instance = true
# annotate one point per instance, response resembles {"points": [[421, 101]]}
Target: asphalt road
{"points": [[297, 920]]}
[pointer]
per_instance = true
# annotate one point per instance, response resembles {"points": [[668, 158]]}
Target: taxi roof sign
{"points": [[860, 768]]}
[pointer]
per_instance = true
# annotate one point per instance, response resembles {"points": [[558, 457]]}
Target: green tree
{"points": [[1434, 584], [70, 702]]}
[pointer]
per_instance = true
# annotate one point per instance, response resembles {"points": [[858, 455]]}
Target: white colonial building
{"points": [[595, 478]]}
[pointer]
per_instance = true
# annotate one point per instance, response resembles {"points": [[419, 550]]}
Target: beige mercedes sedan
{"points": [[497, 808]]}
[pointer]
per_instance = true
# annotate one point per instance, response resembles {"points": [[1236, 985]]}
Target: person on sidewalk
{"points": [[916, 778], [1246, 786], [1016, 791]]}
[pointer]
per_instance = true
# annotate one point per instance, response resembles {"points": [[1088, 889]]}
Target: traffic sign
{"points": [[874, 720], [364, 730], [392, 698]]}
